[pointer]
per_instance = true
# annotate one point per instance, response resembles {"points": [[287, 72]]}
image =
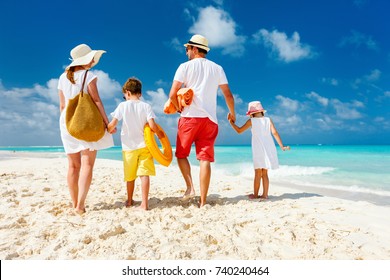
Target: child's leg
{"points": [[145, 184], [130, 191], [265, 183], [256, 184]]}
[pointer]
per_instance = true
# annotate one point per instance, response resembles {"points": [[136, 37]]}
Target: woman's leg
{"points": [[87, 162], [74, 165]]}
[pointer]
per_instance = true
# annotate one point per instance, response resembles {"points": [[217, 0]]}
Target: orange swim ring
{"points": [[163, 157]]}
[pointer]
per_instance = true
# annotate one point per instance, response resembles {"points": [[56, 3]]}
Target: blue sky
{"points": [[320, 68]]}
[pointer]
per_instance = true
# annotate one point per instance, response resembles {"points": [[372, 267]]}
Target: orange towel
{"points": [[184, 98]]}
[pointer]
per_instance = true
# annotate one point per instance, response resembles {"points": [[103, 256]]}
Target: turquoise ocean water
{"points": [[357, 172]]}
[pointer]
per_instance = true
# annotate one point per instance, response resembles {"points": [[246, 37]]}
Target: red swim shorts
{"points": [[202, 131]]}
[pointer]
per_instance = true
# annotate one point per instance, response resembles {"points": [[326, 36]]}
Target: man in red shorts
{"points": [[198, 122]]}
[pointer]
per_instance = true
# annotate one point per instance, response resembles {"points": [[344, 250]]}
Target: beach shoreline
{"points": [[368, 195], [37, 221]]}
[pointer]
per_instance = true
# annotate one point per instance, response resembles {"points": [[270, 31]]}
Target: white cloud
{"points": [[293, 120], [108, 88], [379, 119], [318, 98], [343, 110], [220, 30], [357, 104], [373, 76], [368, 80], [219, 2], [49, 92], [30, 115], [286, 49], [287, 104], [157, 100], [322, 115], [176, 44], [162, 83], [358, 40], [347, 111], [331, 81], [237, 99]]}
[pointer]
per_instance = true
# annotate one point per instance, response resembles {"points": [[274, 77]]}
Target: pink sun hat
{"points": [[255, 107]]}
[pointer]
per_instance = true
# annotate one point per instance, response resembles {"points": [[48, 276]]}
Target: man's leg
{"points": [[185, 169], [204, 176]]}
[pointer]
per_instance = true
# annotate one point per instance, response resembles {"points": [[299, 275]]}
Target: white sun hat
{"points": [[83, 54], [198, 41]]}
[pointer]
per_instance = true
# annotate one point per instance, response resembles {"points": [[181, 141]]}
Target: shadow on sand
{"points": [[212, 200]]}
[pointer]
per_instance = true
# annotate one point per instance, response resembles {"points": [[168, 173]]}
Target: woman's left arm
{"points": [[62, 100]]}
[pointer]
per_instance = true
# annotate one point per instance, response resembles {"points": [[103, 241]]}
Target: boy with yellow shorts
{"points": [[137, 160]]}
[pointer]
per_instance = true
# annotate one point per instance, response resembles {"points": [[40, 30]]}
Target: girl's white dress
{"points": [[263, 147], [71, 144]]}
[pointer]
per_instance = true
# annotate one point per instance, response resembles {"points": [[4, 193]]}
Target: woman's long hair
{"points": [[70, 74]]}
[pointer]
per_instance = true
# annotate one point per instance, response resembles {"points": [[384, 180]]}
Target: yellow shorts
{"points": [[138, 163]]}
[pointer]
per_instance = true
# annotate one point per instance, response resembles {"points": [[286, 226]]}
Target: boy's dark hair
{"points": [[133, 85]]}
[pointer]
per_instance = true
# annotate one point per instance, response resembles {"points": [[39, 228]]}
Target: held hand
{"points": [[112, 131], [160, 134], [233, 118], [284, 148], [230, 118]]}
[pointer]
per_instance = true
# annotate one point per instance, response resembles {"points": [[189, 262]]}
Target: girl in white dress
{"points": [[81, 154], [263, 146]]}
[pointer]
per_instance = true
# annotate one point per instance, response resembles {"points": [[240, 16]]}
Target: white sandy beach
{"points": [[37, 222]]}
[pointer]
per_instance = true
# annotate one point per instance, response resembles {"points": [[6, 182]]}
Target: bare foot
{"points": [[200, 205], [263, 197], [129, 204], [188, 196], [252, 196], [80, 211], [142, 208]]}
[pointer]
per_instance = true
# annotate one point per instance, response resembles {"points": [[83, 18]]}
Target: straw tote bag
{"points": [[83, 118]]}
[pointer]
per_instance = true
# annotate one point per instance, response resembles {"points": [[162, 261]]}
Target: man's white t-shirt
{"points": [[203, 77], [135, 114]]}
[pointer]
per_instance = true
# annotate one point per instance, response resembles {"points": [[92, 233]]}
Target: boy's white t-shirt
{"points": [[134, 115], [203, 77]]}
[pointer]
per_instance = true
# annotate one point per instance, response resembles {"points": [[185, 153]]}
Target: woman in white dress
{"points": [[81, 154], [263, 147]]}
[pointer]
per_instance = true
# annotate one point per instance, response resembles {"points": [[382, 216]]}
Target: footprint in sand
{"points": [[22, 222], [57, 210], [12, 256], [118, 230], [9, 193], [87, 240]]}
